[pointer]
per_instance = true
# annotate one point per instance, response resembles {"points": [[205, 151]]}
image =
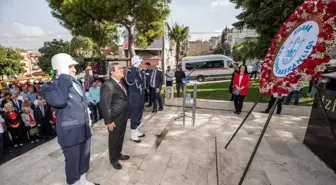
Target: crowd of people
{"points": [[24, 116]]}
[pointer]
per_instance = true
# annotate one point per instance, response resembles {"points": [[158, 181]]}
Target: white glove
{"points": [[136, 61], [137, 64]]}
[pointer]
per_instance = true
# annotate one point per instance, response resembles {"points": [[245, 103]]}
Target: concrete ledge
{"points": [[228, 106]]}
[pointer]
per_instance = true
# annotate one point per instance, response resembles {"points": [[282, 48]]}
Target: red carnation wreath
{"points": [[299, 50]]}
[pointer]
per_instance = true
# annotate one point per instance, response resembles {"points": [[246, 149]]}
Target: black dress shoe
{"points": [[161, 109], [154, 111], [116, 165], [136, 141], [124, 157], [149, 105]]}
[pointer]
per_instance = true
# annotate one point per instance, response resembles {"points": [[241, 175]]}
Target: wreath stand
{"points": [[325, 115], [189, 104]]}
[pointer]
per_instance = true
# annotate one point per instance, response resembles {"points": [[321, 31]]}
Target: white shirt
{"points": [[170, 75], [1, 128], [240, 79], [122, 87]]}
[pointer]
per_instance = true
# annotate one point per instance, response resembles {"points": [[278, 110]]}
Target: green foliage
{"points": [[10, 62], [49, 49], [98, 19], [223, 47], [178, 34], [249, 49], [264, 16], [79, 47], [72, 16]]}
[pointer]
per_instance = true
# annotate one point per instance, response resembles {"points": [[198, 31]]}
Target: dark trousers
{"points": [[296, 95], [254, 73], [238, 102], [169, 83], [271, 102], [116, 140], [95, 111], [148, 97], [136, 115], [77, 161], [179, 86], [2, 137], [156, 98], [310, 86], [18, 135], [45, 129]]}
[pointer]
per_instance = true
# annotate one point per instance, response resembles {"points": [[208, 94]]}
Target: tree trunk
{"points": [[131, 44], [177, 56]]}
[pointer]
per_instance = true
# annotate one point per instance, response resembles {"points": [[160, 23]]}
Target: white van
{"points": [[207, 67]]}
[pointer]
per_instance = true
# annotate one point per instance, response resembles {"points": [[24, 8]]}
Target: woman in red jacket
{"points": [[241, 82]]}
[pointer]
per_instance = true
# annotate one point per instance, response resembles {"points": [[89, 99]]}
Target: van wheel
{"points": [[200, 78]]}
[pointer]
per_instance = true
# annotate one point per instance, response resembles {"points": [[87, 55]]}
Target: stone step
{"points": [[229, 106]]}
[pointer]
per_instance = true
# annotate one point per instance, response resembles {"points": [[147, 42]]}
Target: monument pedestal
{"points": [[319, 137]]}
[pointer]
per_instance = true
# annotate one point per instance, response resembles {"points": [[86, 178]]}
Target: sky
{"points": [[27, 24]]}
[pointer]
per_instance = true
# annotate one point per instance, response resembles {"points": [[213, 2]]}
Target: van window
{"points": [[195, 65], [229, 64], [215, 64], [205, 65]]}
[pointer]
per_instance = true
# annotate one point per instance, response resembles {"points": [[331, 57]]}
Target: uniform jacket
{"points": [[244, 83], [73, 126], [148, 74], [136, 81], [114, 103]]}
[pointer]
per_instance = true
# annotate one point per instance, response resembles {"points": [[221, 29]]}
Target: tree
{"points": [[223, 47], [79, 47], [265, 16], [49, 49], [97, 18], [10, 62], [249, 49], [178, 34]]}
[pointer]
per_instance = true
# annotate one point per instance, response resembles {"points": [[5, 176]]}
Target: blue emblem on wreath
{"points": [[294, 46]]}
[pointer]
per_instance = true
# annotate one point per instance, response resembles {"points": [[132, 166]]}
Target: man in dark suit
{"points": [[42, 118], [156, 81], [17, 104], [115, 109], [148, 72]]}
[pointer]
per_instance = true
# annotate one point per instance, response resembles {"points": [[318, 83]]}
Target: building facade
{"points": [[30, 59], [214, 41], [198, 47], [235, 36]]}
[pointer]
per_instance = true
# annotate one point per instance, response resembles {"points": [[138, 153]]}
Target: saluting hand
{"points": [[111, 126]]}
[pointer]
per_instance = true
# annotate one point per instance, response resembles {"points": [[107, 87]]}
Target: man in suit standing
{"points": [[73, 126], [115, 109], [42, 118], [148, 96], [156, 81], [136, 87], [17, 104]]}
